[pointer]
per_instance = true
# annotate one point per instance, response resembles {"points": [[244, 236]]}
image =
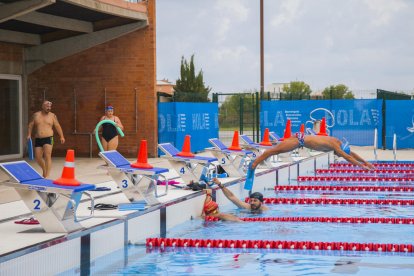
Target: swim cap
{"points": [[210, 207], [109, 107], [257, 195]]}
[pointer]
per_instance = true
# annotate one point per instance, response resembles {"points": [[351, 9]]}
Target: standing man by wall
{"points": [[43, 122]]}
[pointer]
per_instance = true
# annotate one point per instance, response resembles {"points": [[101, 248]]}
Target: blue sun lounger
{"points": [[56, 214], [256, 148], [137, 184], [232, 161], [188, 168]]}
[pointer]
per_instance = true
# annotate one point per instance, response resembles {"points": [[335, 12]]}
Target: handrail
{"points": [[98, 141], [394, 147], [375, 144]]}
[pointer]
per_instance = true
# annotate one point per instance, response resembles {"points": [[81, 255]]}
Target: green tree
{"points": [[296, 90], [339, 91], [231, 107], [190, 87]]}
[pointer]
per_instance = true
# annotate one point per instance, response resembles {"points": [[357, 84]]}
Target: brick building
{"points": [[81, 55]]}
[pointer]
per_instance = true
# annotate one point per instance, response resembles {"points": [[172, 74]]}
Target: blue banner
{"points": [[175, 120], [354, 120], [399, 119]]}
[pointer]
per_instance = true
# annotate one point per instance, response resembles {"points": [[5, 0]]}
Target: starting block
{"points": [[256, 148], [275, 138], [137, 184], [232, 161], [54, 206], [188, 168]]}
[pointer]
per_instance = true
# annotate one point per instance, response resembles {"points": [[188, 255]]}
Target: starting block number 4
{"points": [[182, 170], [36, 204]]}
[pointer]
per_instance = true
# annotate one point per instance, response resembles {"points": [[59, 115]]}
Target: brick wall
{"points": [[124, 69], [11, 59]]}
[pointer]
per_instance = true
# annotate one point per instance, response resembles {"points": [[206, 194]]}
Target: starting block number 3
{"points": [[124, 183], [36, 204]]}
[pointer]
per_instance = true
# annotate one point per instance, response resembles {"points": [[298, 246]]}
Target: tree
{"points": [[296, 90], [339, 91], [189, 87], [230, 110]]}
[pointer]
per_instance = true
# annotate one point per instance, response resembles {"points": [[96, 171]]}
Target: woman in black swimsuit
{"points": [[109, 138]]}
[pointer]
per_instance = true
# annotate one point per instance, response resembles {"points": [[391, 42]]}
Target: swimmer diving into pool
{"points": [[319, 143], [255, 204]]}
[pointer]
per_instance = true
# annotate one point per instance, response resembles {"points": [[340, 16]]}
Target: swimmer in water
{"points": [[255, 204], [211, 208]]}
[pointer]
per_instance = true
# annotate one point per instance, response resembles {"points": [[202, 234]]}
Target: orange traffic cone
{"points": [[68, 173], [186, 150], [142, 159], [288, 131], [322, 130], [235, 143], [302, 129], [266, 139]]}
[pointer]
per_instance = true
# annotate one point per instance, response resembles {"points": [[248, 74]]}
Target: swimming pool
{"points": [[174, 260], [139, 259]]}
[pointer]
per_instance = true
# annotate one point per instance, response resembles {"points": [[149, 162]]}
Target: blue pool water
{"points": [[141, 260], [137, 259]]}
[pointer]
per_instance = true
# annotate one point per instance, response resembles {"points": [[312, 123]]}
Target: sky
{"points": [[364, 44]]}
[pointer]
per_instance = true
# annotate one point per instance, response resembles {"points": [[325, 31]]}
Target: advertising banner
{"points": [[175, 120], [399, 119], [354, 120]]}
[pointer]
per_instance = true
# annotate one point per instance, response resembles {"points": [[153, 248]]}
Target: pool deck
{"points": [[16, 237]]}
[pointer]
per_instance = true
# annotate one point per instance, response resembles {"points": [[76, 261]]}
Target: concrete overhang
{"points": [[45, 25]]}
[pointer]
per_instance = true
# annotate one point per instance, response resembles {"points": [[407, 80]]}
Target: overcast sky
{"points": [[364, 44]]}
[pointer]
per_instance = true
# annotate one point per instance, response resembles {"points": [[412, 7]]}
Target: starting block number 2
{"points": [[37, 204]]}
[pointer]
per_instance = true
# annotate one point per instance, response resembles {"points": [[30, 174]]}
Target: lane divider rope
{"points": [[278, 244], [325, 220], [355, 179], [389, 165], [337, 201], [282, 188], [364, 172]]}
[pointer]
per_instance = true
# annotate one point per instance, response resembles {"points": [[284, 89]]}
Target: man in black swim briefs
{"points": [[43, 123]]}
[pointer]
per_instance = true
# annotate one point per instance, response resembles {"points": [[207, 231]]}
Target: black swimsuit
{"points": [[109, 131]]}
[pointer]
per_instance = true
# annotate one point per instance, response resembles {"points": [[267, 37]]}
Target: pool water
{"points": [[140, 260]]}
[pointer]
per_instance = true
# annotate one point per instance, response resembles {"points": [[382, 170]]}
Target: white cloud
{"points": [[363, 44], [384, 10], [289, 11]]}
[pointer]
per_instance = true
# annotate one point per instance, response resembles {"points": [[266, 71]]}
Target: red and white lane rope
{"points": [[377, 165], [278, 244], [283, 188], [339, 172], [325, 220], [338, 201], [404, 180]]}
